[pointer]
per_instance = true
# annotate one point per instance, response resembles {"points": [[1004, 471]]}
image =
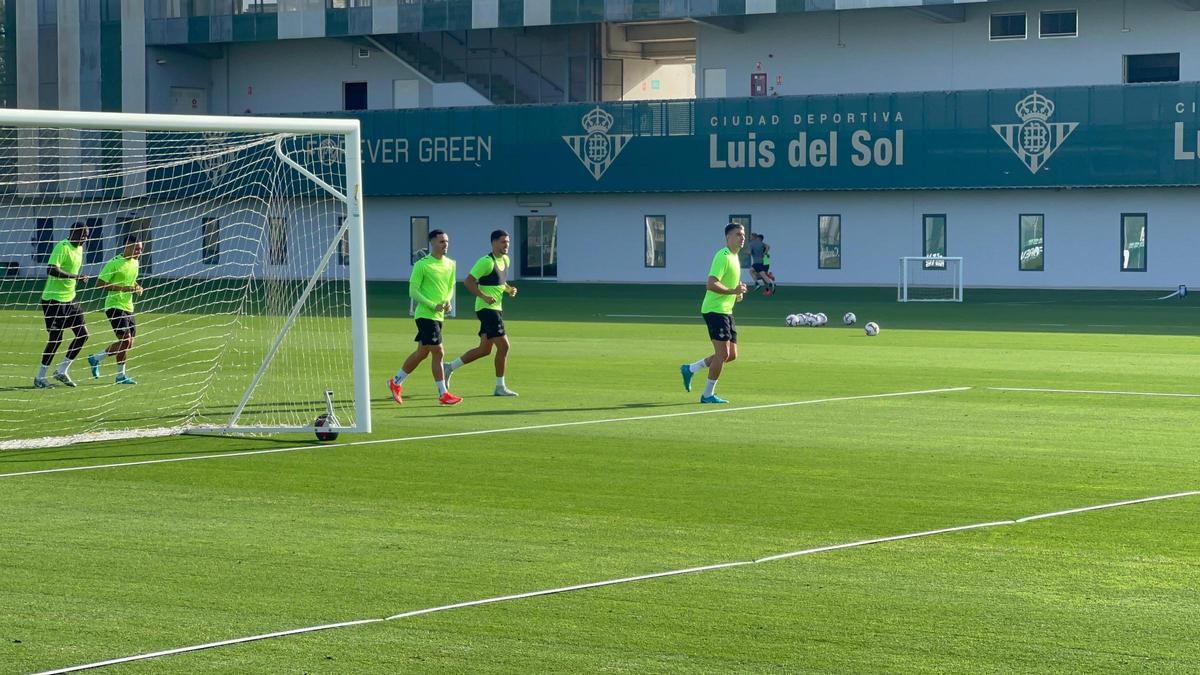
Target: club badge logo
{"points": [[1036, 138], [597, 148]]}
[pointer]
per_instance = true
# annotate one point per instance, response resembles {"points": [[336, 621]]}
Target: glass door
{"points": [[538, 236]]}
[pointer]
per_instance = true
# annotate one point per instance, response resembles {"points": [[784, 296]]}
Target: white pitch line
{"points": [[613, 582], [481, 432], [1113, 505], [1090, 391]]}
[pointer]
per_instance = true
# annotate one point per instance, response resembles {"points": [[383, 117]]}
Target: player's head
{"points": [[133, 248], [79, 233], [500, 242], [439, 242], [735, 235]]}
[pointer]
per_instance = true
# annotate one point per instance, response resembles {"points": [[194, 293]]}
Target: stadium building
{"points": [[1048, 144]]}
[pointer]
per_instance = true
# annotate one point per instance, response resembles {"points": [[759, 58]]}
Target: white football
{"points": [[871, 328], [792, 319], [849, 318], [822, 319], [808, 319]]}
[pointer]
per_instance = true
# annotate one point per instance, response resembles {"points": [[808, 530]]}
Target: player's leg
{"points": [[423, 339], [724, 339], [502, 347], [439, 377], [74, 321], [473, 354], [54, 331]]}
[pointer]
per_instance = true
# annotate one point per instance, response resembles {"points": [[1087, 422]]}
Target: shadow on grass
{"points": [[539, 411]]}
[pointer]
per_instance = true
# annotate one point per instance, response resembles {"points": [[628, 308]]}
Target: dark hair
{"points": [[733, 226], [498, 234], [433, 234], [79, 225]]}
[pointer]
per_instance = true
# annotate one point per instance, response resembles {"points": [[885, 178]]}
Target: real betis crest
{"points": [[597, 149], [1036, 138]]}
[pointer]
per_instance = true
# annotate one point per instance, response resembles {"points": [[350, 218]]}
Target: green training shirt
{"points": [[431, 284], [728, 270], [492, 274], [120, 271], [69, 258]]}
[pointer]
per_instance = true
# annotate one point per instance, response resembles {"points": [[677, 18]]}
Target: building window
{"points": [[829, 242], [1151, 68], [210, 233], [418, 228], [344, 244], [1008, 26], [1032, 243], [1060, 23], [277, 242], [94, 250], [1133, 242], [354, 96], [934, 238], [744, 254], [656, 241], [43, 240]]}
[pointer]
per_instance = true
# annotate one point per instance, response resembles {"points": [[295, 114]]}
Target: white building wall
{"points": [[895, 49], [600, 238]]}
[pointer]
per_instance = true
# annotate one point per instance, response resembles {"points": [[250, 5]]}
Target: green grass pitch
{"points": [[105, 563]]}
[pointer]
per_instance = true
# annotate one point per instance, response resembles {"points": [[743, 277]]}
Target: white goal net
{"points": [[253, 302], [930, 279]]}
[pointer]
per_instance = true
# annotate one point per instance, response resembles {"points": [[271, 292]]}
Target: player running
{"points": [[432, 287], [760, 265], [59, 307], [723, 289], [488, 282], [119, 278]]}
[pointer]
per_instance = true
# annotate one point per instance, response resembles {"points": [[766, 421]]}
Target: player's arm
{"points": [[414, 288], [117, 288], [472, 285], [53, 269], [715, 285]]}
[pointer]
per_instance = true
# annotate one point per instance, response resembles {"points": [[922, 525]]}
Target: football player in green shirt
{"points": [[723, 289], [119, 278], [488, 282], [59, 307], [432, 287]]}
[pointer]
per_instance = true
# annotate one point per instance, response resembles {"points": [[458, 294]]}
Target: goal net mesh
{"points": [[236, 240]]}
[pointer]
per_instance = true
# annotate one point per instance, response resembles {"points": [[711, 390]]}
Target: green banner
{"points": [[1135, 135]]}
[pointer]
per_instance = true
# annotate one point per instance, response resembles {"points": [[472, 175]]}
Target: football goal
{"points": [[253, 304], [930, 279]]}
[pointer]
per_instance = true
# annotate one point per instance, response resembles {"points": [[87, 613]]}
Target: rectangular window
{"points": [[418, 228], [1151, 68], [744, 254], [656, 241], [934, 238], [1008, 26], [343, 245], [94, 251], [1032, 242], [1059, 23], [277, 242], [43, 240], [829, 242], [714, 83], [210, 235], [1133, 242], [354, 96]]}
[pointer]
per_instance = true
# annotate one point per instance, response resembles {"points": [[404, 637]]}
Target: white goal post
{"points": [[930, 279], [254, 302]]}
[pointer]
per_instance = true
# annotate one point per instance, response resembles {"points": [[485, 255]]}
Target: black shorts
{"points": [[491, 322], [62, 315], [429, 332], [123, 323], [721, 327], [759, 267]]}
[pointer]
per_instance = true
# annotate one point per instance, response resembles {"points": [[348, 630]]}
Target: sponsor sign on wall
{"points": [[1137, 135]]}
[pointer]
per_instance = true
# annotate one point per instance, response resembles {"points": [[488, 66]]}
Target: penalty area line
{"points": [[623, 580], [483, 432]]}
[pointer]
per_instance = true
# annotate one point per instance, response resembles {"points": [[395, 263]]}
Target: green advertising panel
{"points": [[1136, 135]]}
